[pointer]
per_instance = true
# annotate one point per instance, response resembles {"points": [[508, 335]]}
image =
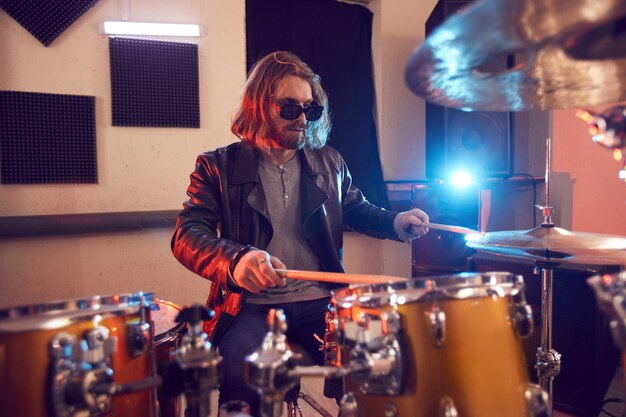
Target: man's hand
{"points": [[409, 224], [255, 271]]}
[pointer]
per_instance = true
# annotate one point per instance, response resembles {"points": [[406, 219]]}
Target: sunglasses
{"points": [[290, 111]]}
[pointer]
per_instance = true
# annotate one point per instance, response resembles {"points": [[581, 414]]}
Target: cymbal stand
{"points": [[548, 360]]}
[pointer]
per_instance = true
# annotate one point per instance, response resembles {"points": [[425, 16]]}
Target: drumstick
{"points": [[337, 277], [452, 229]]}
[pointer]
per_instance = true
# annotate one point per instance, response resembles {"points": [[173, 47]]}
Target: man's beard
{"points": [[290, 140]]}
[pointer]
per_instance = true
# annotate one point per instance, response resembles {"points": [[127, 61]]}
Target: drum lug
{"points": [[81, 378], [437, 320], [348, 407], [522, 318], [138, 338], [520, 311], [139, 333], [537, 400], [447, 408], [391, 410]]}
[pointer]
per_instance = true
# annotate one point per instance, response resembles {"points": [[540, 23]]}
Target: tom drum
{"points": [[442, 346], [90, 356]]}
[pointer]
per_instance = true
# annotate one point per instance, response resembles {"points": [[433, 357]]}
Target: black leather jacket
{"points": [[227, 213]]}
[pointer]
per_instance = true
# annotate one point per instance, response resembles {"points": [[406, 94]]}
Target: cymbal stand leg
{"points": [[548, 360]]}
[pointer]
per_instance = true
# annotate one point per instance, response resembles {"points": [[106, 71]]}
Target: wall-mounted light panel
{"points": [[150, 29]]}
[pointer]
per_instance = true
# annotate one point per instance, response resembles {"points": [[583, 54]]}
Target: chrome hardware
{"points": [[548, 363], [268, 367], [537, 400], [138, 338], [99, 346], [391, 410], [391, 322], [437, 320], [330, 345], [348, 407], [376, 360], [81, 377], [139, 333], [198, 361], [520, 311], [447, 408]]}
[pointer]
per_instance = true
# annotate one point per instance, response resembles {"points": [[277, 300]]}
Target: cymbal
{"points": [[553, 244], [514, 55]]}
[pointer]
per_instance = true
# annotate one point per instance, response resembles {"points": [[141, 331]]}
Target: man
{"points": [[278, 199]]}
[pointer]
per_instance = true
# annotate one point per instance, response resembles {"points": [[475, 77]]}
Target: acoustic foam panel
{"points": [[46, 19], [47, 138], [154, 83]]}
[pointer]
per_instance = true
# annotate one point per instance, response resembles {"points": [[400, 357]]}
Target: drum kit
{"points": [[444, 346], [120, 355], [449, 345]]}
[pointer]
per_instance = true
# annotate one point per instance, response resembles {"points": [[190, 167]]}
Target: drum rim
{"points": [[171, 333], [463, 285], [94, 303]]}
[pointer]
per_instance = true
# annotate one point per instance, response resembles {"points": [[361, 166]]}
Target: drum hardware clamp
{"points": [[82, 380], [198, 361], [267, 367], [375, 363], [273, 369], [376, 358]]}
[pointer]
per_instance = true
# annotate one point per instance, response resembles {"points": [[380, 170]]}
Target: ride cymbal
{"points": [[513, 55], [553, 244]]}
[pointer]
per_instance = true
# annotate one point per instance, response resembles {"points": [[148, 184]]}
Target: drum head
{"points": [[455, 286], [165, 319]]}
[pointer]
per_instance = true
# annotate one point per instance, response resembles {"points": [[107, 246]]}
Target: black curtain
{"points": [[334, 39]]}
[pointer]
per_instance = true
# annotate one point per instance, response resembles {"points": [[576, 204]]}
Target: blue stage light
{"points": [[461, 179]]}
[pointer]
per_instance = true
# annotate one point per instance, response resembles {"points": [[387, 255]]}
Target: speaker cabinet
{"points": [[442, 252], [477, 142], [580, 332]]}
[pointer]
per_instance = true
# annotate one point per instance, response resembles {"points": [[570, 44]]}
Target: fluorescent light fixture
{"points": [[150, 29]]}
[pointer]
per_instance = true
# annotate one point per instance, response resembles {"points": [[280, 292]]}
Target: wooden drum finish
{"points": [[25, 352], [479, 368]]}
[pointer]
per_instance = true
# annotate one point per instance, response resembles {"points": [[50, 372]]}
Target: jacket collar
{"points": [[246, 166]]}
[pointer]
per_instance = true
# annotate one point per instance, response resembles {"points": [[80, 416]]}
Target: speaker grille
{"points": [[477, 142]]}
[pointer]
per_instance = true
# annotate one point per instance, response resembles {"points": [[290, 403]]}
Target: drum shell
{"points": [[25, 362], [480, 366]]}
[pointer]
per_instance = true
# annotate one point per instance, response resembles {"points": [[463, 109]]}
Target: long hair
{"points": [[251, 120]]}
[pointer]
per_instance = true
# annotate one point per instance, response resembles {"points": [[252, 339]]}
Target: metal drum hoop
{"points": [[457, 286]]}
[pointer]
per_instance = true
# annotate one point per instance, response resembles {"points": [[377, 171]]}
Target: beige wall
{"points": [[586, 183], [148, 168], [138, 168]]}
